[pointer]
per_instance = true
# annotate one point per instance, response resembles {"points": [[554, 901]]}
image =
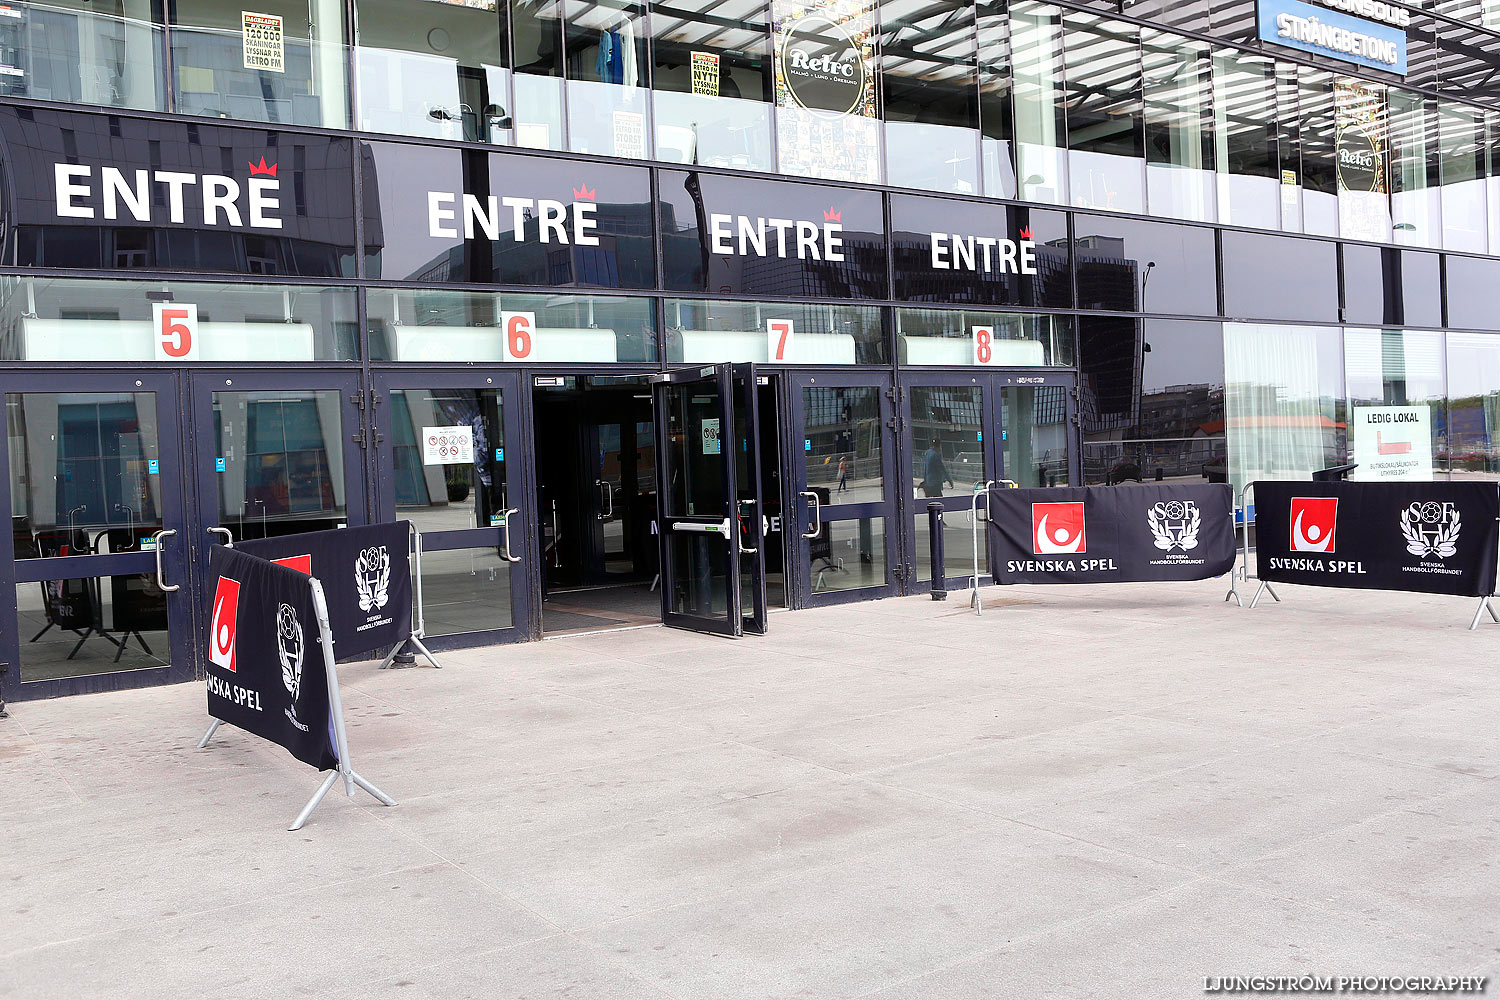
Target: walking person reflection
{"points": [[934, 471]]}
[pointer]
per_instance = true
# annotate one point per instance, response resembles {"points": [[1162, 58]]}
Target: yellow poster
{"points": [[706, 74]]}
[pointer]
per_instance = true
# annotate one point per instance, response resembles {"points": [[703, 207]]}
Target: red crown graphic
{"points": [[585, 193], [832, 215], [1026, 233], [261, 168]]}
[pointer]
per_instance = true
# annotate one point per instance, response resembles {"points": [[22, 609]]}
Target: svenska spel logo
{"points": [[223, 623], [1057, 528], [1314, 523]]}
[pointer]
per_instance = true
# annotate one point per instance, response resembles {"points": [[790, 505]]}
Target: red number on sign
{"points": [[176, 338], [982, 349], [518, 337], [782, 330]]}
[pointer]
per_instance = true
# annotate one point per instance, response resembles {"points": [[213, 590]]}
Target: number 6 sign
{"points": [[174, 331], [518, 338]]}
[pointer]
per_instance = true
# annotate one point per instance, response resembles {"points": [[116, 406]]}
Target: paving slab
{"points": [[1084, 792]]}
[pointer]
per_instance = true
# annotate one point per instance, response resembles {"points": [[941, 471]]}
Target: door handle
{"points": [[609, 497], [505, 549], [749, 511], [817, 515], [722, 528], [161, 580], [228, 536]]}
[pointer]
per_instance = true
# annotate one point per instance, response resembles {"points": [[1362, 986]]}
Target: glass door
{"points": [[276, 453], [752, 524], [699, 500], [845, 510], [447, 460], [98, 563], [952, 433]]}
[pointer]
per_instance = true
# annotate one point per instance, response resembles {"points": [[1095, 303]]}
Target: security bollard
{"points": [[935, 542]]}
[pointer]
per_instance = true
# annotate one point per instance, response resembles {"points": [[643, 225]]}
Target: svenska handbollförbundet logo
{"points": [[1431, 528], [1174, 524], [1314, 523], [289, 650], [372, 577], [1058, 528]]}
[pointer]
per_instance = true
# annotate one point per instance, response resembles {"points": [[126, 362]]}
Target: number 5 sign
{"points": [[519, 336], [984, 345], [174, 331], [778, 339]]}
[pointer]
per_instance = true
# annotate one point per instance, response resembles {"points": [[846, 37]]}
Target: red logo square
{"points": [[1314, 523], [1057, 528], [224, 622]]}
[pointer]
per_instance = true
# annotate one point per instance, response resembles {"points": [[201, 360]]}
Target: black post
{"points": [[935, 543]]}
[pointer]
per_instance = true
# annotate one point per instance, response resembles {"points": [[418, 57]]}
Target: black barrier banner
{"points": [[265, 667], [1431, 538], [1112, 534], [366, 577]]}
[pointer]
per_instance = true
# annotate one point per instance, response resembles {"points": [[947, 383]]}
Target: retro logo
{"points": [[223, 623], [1057, 528], [1314, 523]]}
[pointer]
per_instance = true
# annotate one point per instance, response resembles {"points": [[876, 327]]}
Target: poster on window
{"points": [[1360, 121], [706, 74], [264, 45], [826, 118], [630, 134], [447, 445], [1392, 444]]}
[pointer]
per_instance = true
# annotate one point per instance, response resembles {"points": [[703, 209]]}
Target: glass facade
{"points": [[1059, 243]]}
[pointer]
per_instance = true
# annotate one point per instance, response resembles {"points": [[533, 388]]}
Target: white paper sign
{"points": [[779, 335], [1392, 444], [264, 45], [984, 346], [517, 336], [447, 445], [711, 443], [174, 331]]}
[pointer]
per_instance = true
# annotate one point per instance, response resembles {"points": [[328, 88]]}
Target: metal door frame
{"points": [[172, 556], [514, 538], [797, 516], [722, 378]]}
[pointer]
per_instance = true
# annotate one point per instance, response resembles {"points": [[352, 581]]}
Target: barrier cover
{"points": [[265, 669], [366, 577], [1431, 538], [1112, 534]]}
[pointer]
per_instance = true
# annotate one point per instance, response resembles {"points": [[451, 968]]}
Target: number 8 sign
{"points": [[984, 345], [174, 331], [518, 335]]}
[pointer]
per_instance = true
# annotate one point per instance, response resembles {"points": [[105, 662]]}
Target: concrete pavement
{"points": [[1088, 792]]}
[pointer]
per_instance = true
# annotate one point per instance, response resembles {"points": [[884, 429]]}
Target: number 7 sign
{"points": [[778, 339], [174, 331]]}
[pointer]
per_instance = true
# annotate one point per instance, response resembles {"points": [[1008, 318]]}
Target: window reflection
{"points": [[1036, 53], [1245, 119], [607, 78], [433, 68], [713, 83], [282, 468], [1283, 401], [843, 452], [1105, 143], [1473, 405], [1402, 368], [283, 63], [1179, 127], [104, 52], [711, 332], [928, 75]]}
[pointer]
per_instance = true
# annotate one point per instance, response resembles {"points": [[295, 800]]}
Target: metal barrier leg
{"points": [[312, 803], [1484, 605], [213, 727], [975, 601]]}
